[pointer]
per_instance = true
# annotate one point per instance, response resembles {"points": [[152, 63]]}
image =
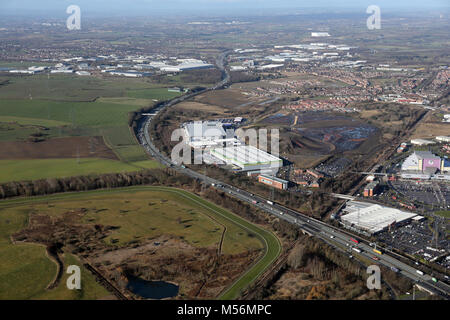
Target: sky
{"points": [[206, 7]]}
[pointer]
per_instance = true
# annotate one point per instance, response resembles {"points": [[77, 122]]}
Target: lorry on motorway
{"points": [[420, 272], [354, 240], [357, 250], [377, 251], [270, 202]]}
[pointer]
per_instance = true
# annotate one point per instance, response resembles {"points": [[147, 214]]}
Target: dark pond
{"points": [[152, 289]]}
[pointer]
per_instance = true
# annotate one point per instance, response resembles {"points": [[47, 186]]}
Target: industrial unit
{"points": [[208, 134], [371, 189], [422, 142], [274, 182], [373, 218], [221, 145], [443, 138], [248, 158], [425, 165]]}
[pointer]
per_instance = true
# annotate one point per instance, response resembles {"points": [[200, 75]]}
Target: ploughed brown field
{"points": [[72, 147]]}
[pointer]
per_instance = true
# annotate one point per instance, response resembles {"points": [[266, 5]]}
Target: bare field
{"points": [[73, 147], [316, 136], [229, 98], [197, 106], [431, 130]]}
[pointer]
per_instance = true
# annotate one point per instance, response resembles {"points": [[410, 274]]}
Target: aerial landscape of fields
{"points": [[225, 157], [43, 119]]}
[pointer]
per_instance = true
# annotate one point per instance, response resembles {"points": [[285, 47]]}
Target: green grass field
{"points": [[157, 93], [26, 271], [79, 114], [58, 87], [19, 170], [67, 106], [445, 214]]}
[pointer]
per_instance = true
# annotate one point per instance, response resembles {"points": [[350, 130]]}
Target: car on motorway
{"points": [[395, 269], [332, 237]]}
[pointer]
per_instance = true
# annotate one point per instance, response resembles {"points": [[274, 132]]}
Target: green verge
{"points": [[445, 214], [21, 170], [272, 245]]}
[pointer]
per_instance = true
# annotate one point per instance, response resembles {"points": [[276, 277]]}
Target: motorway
{"points": [[314, 227]]}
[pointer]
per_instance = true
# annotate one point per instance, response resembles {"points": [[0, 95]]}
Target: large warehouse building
{"points": [[425, 165], [248, 158], [208, 134], [221, 145], [373, 218]]}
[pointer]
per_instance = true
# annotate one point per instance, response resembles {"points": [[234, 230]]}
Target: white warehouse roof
{"points": [[373, 217], [443, 138], [247, 157], [421, 142], [205, 129]]}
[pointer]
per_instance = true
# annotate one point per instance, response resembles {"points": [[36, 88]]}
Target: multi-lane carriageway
{"points": [[333, 236]]}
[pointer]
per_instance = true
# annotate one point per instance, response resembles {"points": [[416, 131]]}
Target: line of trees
{"points": [[93, 182]]}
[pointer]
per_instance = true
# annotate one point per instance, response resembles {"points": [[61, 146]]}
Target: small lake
{"points": [[152, 289]]}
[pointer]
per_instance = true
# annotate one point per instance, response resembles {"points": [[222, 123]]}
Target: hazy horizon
{"points": [[197, 8]]}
